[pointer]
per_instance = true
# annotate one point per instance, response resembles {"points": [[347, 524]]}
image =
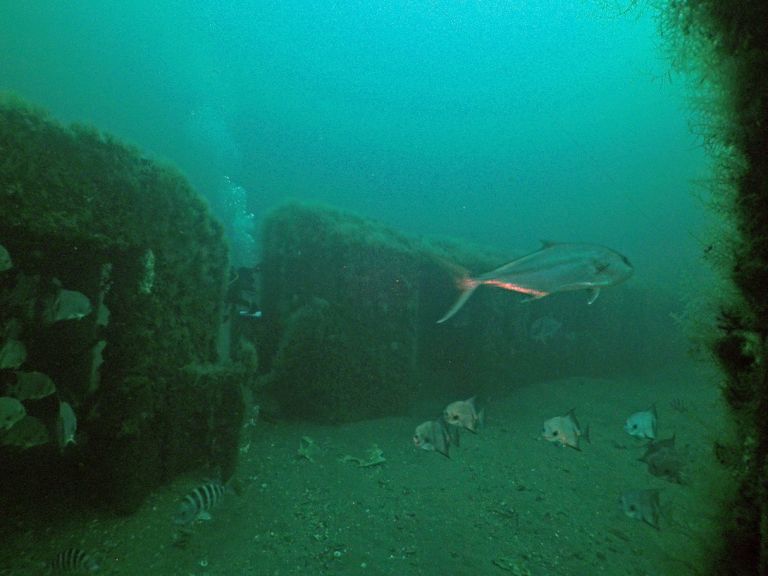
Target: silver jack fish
{"points": [[553, 268]]}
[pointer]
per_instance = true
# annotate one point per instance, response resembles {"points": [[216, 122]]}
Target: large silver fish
{"points": [[553, 268]]}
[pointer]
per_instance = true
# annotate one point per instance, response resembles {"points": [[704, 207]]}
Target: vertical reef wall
{"points": [[723, 46], [113, 292]]}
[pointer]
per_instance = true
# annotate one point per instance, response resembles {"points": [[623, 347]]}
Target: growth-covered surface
{"points": [[723, 45], [117, 279], [350, 310]]}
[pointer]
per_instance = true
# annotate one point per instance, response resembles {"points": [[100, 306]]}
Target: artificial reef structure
{"points": [[349, 306], [110, 301], [722, 45], [349, 326]]}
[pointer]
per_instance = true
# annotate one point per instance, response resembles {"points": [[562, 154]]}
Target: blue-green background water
{"points": [[501, 122]]}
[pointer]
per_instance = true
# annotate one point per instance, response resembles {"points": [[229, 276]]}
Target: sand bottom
{"points": [[506, 502]]}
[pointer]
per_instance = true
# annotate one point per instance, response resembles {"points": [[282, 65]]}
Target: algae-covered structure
{"points": [[350, 309], [113, 292], [723, 45]]}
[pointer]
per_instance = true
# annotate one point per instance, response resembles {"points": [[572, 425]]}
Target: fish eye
{"points": [[632, 508], [455, 417], [555, 432], [634, 426]]}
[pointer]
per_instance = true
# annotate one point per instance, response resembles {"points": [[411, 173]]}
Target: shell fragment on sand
{"points": [[373, 457], [308, 449]]}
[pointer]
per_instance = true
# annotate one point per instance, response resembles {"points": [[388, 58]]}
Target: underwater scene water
{"points": [[383, 287]]}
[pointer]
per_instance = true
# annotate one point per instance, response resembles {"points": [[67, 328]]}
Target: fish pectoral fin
{"points": [[533, 297], [593, 294]]}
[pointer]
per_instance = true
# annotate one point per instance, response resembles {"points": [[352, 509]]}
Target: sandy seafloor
{"points": [[507, 502]]}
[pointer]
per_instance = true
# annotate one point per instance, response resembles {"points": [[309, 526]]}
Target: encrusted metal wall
{"points": [[723, 46]]}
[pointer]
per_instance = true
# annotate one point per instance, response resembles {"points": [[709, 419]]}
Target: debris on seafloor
{"points": [[308, 449], [373, 457], [509, 564]]}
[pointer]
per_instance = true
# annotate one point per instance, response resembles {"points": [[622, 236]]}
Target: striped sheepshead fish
{"points": [[199, 502], [73, 561]]}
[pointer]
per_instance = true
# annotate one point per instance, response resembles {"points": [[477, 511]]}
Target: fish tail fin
{"points": [[235, 486], [467, 286], [453, 434]]}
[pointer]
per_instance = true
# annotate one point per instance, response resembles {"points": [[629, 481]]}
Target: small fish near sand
{"points": [[26, 433], [73, 561], [643, 424], [565, 431], [12, 354], [198, 504], [435, 435], [66, 425], [555, 267], [642, 505], [11, 411], [5, 259], [464, 414], [66, 305], [664, 460], [31, 386]]}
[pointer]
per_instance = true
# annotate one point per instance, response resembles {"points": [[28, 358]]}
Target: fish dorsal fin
{"points": [[454, 269], [547, 243], [571, 415]]}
